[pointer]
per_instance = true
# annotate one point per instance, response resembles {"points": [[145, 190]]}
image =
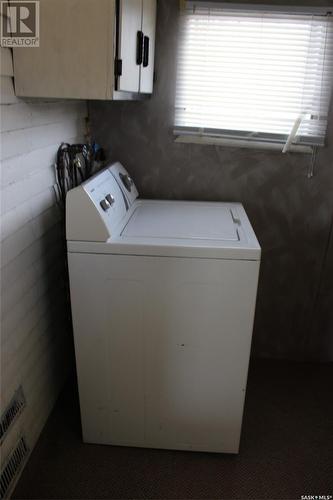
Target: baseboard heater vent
{"points": [[12, 467], [11, 412]]}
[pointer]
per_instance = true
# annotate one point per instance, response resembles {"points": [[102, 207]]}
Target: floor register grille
{"points": [[11, 413], [12, 467]]}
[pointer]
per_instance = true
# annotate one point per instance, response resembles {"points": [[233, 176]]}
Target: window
{"points": [[254, 75]]}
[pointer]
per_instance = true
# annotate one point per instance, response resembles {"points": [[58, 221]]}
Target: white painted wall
{"points": [[35, 334]]}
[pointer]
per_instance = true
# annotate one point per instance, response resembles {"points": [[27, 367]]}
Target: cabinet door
{"points": [[75, 57], [148, 28], [130, 22]]}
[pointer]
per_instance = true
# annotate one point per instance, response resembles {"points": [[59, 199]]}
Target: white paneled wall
{"points": [[35, 334]]}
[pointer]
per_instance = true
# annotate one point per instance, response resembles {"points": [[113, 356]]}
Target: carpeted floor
{"points": [[286, 450]]}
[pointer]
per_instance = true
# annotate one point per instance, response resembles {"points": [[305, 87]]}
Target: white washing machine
{"points": [[163, 298]]}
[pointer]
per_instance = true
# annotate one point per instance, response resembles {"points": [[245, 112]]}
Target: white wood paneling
{"points": [[23, 141], [34, 323], [17, 193], [28, 279], [31, 114], [13, 220], [38, 251], [21, 166]]}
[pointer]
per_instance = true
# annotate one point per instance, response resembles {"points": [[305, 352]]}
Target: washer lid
{"points": [[206, 221]]}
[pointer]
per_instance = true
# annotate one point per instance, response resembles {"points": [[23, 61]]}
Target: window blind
{"points": [[254, 75]]}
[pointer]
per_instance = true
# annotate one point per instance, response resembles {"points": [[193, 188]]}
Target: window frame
{"points": [[248, 139]]}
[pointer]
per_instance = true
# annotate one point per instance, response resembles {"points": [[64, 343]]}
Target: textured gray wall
{"points": [[292, 215]]}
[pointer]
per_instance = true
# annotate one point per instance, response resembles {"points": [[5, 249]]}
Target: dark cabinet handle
{"points": [[146, 51], [139, 47]]}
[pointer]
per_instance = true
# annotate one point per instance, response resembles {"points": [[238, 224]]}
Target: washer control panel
{"points": [[125, 182], [95, 209]]}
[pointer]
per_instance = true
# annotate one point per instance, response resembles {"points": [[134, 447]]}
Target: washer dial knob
{"points": [[127, 181]]}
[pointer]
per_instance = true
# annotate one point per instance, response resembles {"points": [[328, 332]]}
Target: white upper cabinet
{"points": [[90, 50], [136, 23]]}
